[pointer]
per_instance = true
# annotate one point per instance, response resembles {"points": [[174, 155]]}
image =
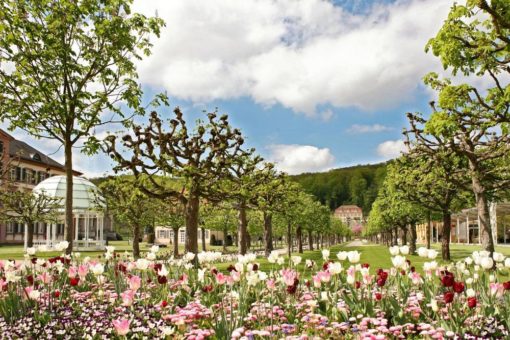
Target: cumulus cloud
{"points": [[358, 128], [300, 54], [296, 159], [391, 148]]}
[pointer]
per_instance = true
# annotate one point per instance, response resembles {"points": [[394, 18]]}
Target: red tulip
{"points": [[164, 303], [448, 297], [74, 281], [381, 282], [506, 285], [365, 265], [56, 294], [162, 280], [458, 287], [30, 279], [358, 284], [447, 279], [471, 301], [378, 296]]}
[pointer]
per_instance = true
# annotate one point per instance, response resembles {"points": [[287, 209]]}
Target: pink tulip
{"points": [[220, 278], [127, 297], [135, 282], [236, 276], [72, 272], [317, 282], [497, 289], [121, 326], [45, 278], [82, 271], [271, 284], [289, 276]]}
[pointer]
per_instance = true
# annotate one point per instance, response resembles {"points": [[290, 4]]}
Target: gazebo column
{"points": [[25, 239], [54, 231], [101, 229], [48, 234], [87, 221], [467, 229], [478, 223], [458, 230]]}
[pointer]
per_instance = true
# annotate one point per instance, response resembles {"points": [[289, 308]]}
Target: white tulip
{"points": [[110, 249], [433, 305], [507, 262], [142, 264], [97, 269], [498, 257], [151, 256], [404, 250], [335, 268], [325, 254], [353, 256], [432, 254], [487, 263], [423, 252], [163, 271], [31, 251], [469, 261], [296, 260], [34, 294], [342, 255], [154, 249], [470, 292], [394, 251], [398, 261]]}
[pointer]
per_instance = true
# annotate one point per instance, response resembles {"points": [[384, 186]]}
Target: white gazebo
{"points": [[88, 213]]}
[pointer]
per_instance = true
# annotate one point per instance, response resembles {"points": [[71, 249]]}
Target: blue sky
{"points": [[313, 84]]}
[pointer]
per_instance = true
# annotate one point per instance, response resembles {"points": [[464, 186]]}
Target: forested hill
{"points": [[353, 185]]}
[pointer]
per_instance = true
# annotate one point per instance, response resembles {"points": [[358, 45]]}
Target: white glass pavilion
{"points": [[88, 211]]}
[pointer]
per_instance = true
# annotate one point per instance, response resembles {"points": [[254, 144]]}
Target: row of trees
{"points": [[201, 176], [460, 152]]}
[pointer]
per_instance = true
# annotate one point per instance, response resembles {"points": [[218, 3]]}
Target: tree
{"points": [[67, 66], [171, 213], [130, 206], [200, 159], [432, 179], [220, 217], [474, 40], [29, 208]]}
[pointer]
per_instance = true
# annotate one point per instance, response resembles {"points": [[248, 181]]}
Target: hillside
{"points": [[352, 185]]}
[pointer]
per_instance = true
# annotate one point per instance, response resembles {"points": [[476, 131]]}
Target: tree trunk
{"points": [[243, 230], [299, 235], [482, 206], [136, 241], [69, 225], [30, 235], [412, 245], [225, 235], [151, 234], [203, 239], [192, 210], [289, 240], [310, 240], [429, 229], [404, 235], [268, 233], [176, 241], [395, 237], [445, 238]]}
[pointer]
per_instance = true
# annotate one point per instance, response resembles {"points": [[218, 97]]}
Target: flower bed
{"points": [[70, 298]]}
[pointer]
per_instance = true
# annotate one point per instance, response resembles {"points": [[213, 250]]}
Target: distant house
{"points": [[165, 236], [22, 168], [351, 215]]}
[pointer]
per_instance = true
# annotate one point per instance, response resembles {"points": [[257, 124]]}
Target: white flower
{"points": [[430, 266], [399, 261], [34, 294], [492, 278], [469, 281], [142, 264], [31, 251], [486, 262], [280, 260], [240, 267], [350, 279], [262, 275], [273, 256], [335, 268], [404, 250], [296, 260], [342, 255], [201, 275], [498, 257], [423, 252], [252, 279], [110, 249], [309, 263], [151, 256], [97, 269], [42, 248], [469, 261], [163, 271], [507, 262], [470, 292], [325, 254], [433, 305], [62, 245], [484, 253], [324, 296], [166, 331], [188, 266], [154, 249], [189, 257], [432, 254], [394, 251], [353, 256]]}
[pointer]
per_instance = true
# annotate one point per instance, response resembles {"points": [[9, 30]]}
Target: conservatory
{"points": [[88, 214]]}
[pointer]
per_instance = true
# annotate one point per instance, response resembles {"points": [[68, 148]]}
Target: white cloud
{"points": [[391, 148], [295, 159], [357, 128], [300, 54]]}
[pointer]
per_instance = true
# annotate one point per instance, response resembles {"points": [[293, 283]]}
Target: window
{"points": [[182, 236], [36, 157], [207, 233], [161, 234], [1, 147], [18, 174], [10, 227]]}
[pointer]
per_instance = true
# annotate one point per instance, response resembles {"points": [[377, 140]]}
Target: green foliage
{"points": [[357, 185], [28, 207]]}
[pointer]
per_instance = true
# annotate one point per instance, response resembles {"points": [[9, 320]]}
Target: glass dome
{"points": [[86, 196]]}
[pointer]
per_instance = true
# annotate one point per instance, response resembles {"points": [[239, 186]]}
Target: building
{"points": [[165, 236], [351, 215], [22, 167], [466, 227]]}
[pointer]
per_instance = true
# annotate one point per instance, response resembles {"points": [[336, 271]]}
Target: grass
{"points": [[15, 252]]}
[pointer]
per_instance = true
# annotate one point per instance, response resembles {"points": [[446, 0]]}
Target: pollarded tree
{"points": [[29, 208], [433, 179], [66, 67], [200, 159], [129, 206], [474, 40]]}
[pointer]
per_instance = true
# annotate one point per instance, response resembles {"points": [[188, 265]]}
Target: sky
{"points": [[313, 84]]}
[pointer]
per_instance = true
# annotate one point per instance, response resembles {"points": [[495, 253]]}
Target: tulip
{"points": [[325, 254], [458, 287], [404, 250], [378, 296], [487, 263], [394, 251], [74, 281], [353, 256], [121, 326], [448, 297], [127, 297], [134, 283], [471, 301]]}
